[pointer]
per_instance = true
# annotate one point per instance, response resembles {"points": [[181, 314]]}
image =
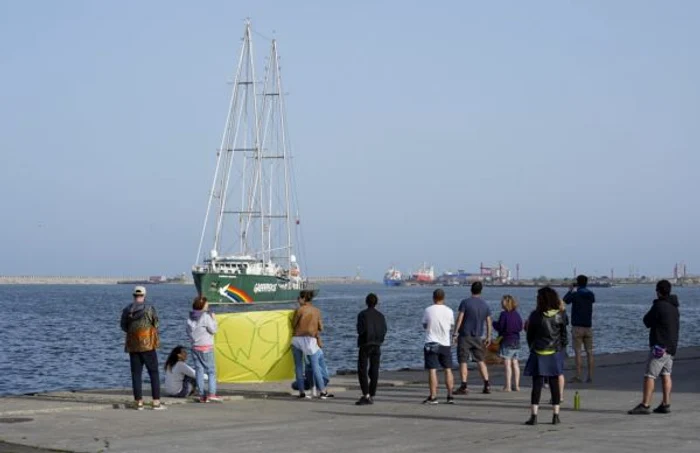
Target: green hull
{"points": [[245, 289]]}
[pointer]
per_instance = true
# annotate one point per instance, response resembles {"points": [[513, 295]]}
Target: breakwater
{"points": [[61, 280], [84, 280]]}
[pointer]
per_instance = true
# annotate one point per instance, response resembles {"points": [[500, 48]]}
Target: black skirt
{"points": [[544, 365]]}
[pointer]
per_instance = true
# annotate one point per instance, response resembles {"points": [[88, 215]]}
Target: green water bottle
{"points": [[577, 401]]}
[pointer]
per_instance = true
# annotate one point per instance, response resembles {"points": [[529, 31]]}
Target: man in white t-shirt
{"points": [[438, 321]]}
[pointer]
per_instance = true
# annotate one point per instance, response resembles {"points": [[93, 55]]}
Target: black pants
{"points": [[371, 354], [138, 360], [538, 383]]}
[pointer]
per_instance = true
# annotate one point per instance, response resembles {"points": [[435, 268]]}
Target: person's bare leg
{"points": [[483, 371], [648, 391], [463, 372], [667, 383], [508, 364], [433, 382], [516, 374], [449, 381], [562, 381]]}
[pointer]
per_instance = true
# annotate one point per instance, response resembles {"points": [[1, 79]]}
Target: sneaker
{"points": [[663, 409], [487, 389], [363, 401], [450, 399], [138, 406], [575, 380], [430, 400], [371, 399], [555, 419], [158, 407], [326, 395], [532, 421], [202, 399], [302, 396], [462, 390], [640, 409], [215, 399]]}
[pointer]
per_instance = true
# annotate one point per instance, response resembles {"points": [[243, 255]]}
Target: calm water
{"points": [[68, 337]]}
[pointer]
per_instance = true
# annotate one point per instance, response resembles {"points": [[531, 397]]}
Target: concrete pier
{"points": [[266, 417]]}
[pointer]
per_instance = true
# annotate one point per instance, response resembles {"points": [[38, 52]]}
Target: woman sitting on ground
{"points": [[546, 326], [179, 376]]}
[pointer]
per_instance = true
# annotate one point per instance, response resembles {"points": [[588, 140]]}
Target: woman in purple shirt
{"points": [[509, 325]]}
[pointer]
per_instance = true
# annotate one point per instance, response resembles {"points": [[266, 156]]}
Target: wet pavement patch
{"points": [[15, 419]]}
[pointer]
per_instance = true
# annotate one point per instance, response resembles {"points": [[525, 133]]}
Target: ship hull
{"points": [[222, 288], [389, 282]]}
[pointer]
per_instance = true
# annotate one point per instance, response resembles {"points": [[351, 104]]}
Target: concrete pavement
{"points": [[266, 418]]}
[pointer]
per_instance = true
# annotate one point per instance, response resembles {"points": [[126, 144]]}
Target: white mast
{"points": [[221, 151], [274, 122], [285, 156], [238, 123]]}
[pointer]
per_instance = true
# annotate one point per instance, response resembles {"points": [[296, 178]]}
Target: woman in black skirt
{"points": [[546, 326]]}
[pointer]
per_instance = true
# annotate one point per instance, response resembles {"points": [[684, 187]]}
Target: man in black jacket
{"points": [[371, 329], [581, 299], [662, 320]]}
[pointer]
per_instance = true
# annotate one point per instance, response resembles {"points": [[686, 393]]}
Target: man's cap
{"points": [[139, 291]]}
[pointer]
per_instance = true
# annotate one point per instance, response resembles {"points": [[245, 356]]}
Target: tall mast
{"points": [[238, 123], [274, 133], [222, 151], [285, 156]]}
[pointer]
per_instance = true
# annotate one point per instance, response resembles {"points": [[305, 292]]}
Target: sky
{"points": [[549, 134]]}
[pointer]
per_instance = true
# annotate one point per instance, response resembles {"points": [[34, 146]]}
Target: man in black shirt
{"points": [[663, 321], [371, 329]]}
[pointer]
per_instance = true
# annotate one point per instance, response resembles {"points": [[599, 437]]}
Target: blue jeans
{"points": [[187, 387], [317, 361], [309, 374], [204, 363]]}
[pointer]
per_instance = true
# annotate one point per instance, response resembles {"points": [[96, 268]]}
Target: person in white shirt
{"points": [[179, 376], [438, 321]]}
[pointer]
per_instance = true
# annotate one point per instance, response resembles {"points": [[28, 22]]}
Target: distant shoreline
{"points": [[79, 280], [57, 280]]}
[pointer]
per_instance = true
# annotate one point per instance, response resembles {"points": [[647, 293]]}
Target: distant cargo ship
{"points": [[426, 274], [154, 280], [393, 277]]}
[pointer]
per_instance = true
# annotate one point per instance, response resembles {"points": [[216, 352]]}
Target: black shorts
{"points": [[467, 345], [437, 356]]}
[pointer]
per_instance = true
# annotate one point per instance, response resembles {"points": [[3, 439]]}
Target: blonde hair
{"points": [[509, 303]]}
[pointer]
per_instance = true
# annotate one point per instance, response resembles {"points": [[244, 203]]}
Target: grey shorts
{"points": [[658, 366], [467, 346]]}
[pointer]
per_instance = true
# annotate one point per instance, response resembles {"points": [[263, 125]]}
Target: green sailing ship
{"points": [[249, 221]]}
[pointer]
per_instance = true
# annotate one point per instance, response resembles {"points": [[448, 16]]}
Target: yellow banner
{"points": [[254, 346]]}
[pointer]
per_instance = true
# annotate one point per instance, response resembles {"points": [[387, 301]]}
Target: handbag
{"points": [[495, 345]]}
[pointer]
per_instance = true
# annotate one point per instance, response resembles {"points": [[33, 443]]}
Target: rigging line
{"points": [[263, 36], [295, 196]]}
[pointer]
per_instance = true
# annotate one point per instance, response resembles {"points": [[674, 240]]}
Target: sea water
{"points": [[68, 337]]}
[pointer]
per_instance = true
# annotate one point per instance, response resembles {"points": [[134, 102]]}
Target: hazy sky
{"points": [[547, 133]]}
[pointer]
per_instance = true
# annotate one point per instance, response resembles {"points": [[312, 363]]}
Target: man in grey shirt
{"points": [[473, 313]]}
